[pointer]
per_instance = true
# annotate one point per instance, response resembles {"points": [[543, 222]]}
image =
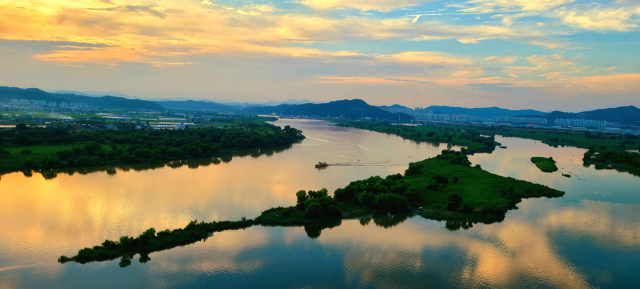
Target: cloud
{"points": [[490, 6], [364, 5], [424, 57], [502, 60], [545, 65], [313, 43], [256, 9], [600, 18], [152, 10]]}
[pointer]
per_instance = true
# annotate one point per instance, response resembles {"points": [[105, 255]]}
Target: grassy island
{"points": [[46, 149], [469, 138], [547, 165], [446, 187]]}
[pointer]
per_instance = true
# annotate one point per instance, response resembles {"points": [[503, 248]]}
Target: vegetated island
{"points": [[445, 187], [612, 159], [469, 138], [45, 149], [547, 165]]}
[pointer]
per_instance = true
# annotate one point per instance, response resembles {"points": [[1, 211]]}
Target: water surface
{"points": [[588, 238]]}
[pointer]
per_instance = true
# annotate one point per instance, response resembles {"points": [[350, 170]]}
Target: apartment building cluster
{"points": [[423, 114], [513, 119], [446, 117], [580, 122]]}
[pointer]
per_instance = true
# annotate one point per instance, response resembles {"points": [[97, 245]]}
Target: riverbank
{"points": [[471, 140], [585, 140], [47, 149], [446, 187], [621, 161]]}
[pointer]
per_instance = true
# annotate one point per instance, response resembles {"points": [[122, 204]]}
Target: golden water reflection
{"points": [[45, 218]]}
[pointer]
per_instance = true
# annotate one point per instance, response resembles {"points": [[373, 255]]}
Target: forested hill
{"points": [[195, 105], [623, 114], [352, 109], [486, 112], [112, 102]]}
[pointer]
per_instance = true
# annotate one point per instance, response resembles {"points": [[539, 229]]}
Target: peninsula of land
{"points": [[45, 149], [445, 187]]}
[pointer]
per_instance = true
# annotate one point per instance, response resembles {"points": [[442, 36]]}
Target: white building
{"points": [[580, 122]]}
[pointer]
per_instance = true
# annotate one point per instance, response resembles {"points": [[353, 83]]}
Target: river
{"points": [[588, 238]]}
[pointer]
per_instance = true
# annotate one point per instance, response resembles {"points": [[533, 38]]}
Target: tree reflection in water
{"points": [[190, 163]]}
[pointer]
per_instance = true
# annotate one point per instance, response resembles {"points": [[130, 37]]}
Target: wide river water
{"points": [[588, 238]]}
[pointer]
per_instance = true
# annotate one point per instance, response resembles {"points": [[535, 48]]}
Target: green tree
{"points": [[314, 210], [302, 197], [21, 127], [391, 202]]}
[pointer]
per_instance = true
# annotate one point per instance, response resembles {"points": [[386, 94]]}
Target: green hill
{"points": [[351, 109], [111, 102]]}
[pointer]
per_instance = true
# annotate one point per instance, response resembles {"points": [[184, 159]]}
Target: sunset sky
{"points": [[544, 54]]}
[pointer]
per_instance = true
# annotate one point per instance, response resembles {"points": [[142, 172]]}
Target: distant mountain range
{"points": [[352, 109], [111, 102], [486, 112], [268, 103], [623, 114], [196, 105], [94, 93]]}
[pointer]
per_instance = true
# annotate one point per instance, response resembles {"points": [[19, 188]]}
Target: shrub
{"points": [[412, 195], [64, 155], [87, 161], [366, 199], [433, 185], [466, 208], [344, 194], [391, 202], [314, 210], [112, 155], [25, 152], [454, 201], [91, 148], [50, 163], [4, 153], [319, 194]]}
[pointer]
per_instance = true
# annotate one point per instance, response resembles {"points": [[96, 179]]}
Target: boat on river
{"points": [[321, 165]]}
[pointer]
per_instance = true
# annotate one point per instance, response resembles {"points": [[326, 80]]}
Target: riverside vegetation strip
{"points": [[607, 159], [469, 138], [585, 140], [445, 187], [605, 151], [44, 149]]}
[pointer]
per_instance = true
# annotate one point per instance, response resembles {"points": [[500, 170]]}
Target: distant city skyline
{"points": [[569, 55]]}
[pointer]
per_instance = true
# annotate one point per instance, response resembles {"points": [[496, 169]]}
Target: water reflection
{"points": [[190, 163], [588, 238]]}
